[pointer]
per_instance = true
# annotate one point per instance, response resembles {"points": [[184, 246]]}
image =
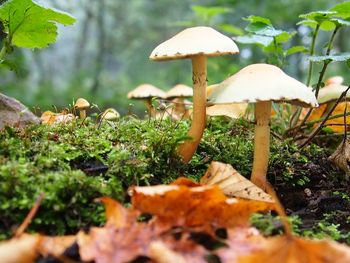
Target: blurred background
{"points": [[105, 54]]}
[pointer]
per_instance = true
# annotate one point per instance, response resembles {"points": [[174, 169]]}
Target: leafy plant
{"points": [[29, 25]]}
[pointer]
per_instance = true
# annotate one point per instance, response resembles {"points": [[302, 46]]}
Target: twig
{"points": [[20, 230]]}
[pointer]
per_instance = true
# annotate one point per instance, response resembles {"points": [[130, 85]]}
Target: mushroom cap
{"points": [[81, 104], [331, 93], [146, 91], [334, 80], [262, 82], [195, 41], [179, 91], [110, 114]]}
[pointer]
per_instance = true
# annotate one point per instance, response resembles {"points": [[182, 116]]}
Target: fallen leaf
{"points": [[192, 206], [240, 242], [23, 249], [232, 183], [291, 249], [341, 157]]}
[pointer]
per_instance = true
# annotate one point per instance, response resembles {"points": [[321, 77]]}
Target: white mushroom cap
{"points": [[145, 91], [331, 93], [195, 41], [179, 91], [262, 82]]}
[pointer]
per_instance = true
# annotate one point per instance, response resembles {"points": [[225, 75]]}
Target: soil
{"points": [[316, 198]]}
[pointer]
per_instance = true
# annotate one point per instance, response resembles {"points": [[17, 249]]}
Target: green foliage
{"points": [[271, 40], [328, 58], [29, 25]]}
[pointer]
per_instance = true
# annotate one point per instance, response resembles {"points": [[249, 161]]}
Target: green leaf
{"points": [[296, 49], [337, 57], [340, 22], [348, 63], [228, 28], [263, 29], [258, 19], [30, 25], [342, 9], [284, 36], [254, 39], [318, 16], [208, 12], [308, 22], [9, 65]]}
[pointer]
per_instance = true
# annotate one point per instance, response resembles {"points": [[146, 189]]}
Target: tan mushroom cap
{"points": [[334, 80], [145, 91], [81, 104], [195, 41], [110, 114], [331, 93], [179, 91], [262, 82]]}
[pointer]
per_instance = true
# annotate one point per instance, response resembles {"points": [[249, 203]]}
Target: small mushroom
{"points": [[196, 43], [334, 80], [110, 114], [261, 84], [82, 105], [178, 94], [331, 93], [147, 92]]}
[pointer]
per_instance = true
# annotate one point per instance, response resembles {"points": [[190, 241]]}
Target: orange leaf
{"points": [[192, 206], [290, 249]]}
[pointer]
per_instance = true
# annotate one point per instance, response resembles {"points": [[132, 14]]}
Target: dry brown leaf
{"points": [[232, 183], [341, 157], [240, 241], [337, 125], [290, 249], [50, 118], [192, 206], [162, 254], [55, 246], [116, 213], [23, 249]]}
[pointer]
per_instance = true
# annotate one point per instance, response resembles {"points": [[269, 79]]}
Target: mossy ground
{"points": [[75, 163]]}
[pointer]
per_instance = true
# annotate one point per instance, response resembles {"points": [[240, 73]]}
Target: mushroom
{"points": [[331, 93], [82, 105], [178, 94], [110, 114], [146, 92], [261, 84], [196, 43], [334, 80]]}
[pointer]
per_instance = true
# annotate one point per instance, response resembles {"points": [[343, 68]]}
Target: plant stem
{"points": [[312, 51], [3, 52], [324, 68], [297, 113]]}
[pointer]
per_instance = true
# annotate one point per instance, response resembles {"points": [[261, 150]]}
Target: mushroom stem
{"points": [[82, 114], [199, 77], [149, 107], [261, 143]]}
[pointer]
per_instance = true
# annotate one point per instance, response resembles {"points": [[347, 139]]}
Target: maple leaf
{"points": [[191, 206]]}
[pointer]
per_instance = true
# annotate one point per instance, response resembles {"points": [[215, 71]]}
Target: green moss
{"points": [[50, 159]]}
